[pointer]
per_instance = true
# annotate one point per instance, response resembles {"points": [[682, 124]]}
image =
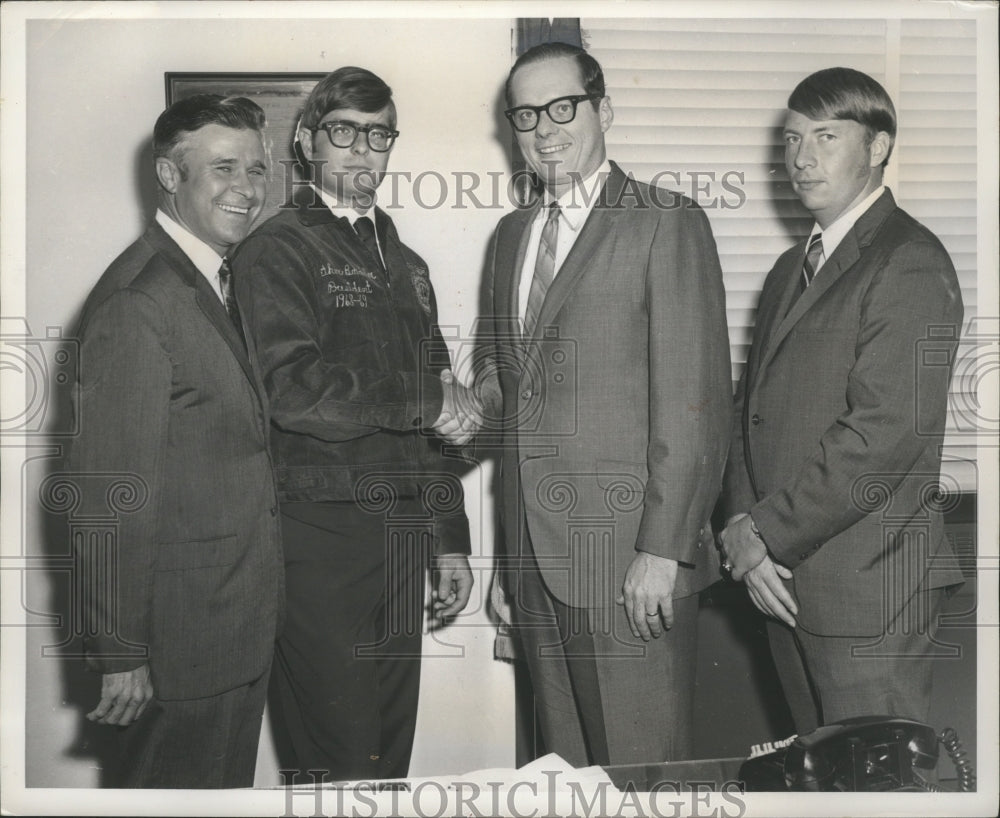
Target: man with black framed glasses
{"points": [[344, 318], [609, 381]]}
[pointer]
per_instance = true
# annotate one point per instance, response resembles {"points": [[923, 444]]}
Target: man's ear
{"points": [[167, 174], [879, 149], [305, 137], [606, 114]]}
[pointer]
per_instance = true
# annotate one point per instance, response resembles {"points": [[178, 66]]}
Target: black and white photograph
{"points": [[518, 409]]}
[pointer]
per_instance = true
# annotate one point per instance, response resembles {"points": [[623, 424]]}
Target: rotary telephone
{"points": [[865, 754]]}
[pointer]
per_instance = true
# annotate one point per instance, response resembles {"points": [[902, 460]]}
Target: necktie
{"points": [[545, 269], [229, 297], [365, 228], [810, 265]]}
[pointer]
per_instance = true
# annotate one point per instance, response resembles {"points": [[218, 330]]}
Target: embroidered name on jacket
{"points": [[350, 286]]}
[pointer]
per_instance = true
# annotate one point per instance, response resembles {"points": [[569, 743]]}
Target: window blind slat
{"points": [[595, 29]]}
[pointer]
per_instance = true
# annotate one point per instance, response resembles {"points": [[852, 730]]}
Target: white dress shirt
{"points": [[202, 256], [574, 208], [834, 234], [349, 213]]}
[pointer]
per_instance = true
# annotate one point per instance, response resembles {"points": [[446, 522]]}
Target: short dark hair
{"points": [[194, 112], [591, 74], [347, 87], [843, 93]]}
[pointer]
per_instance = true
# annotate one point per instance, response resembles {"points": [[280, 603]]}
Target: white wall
{"points": [[94, 89]]}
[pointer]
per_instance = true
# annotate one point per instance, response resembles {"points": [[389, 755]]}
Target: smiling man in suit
{"points": [[839, 421], [610, 384], [171, 399]]}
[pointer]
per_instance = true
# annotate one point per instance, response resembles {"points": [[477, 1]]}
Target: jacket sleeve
{"points": [[737, 490], [690, 393], [487, 375], [310, 390], [123, 411], [888, 389]]}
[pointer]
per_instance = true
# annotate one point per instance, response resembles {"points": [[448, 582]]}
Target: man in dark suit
{"points": [[611, 388], [170, 398], [839, 420], [344, 316]]}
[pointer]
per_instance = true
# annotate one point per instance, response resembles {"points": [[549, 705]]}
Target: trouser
{"points": [[603, 696], [195, 743], [347, 665], [826, 679]]}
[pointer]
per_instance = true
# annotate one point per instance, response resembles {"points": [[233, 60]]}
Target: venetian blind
{"points": [[699, 106]]}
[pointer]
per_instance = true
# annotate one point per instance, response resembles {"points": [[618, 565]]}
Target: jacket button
{"points": [[756, 420], [804, 557], [526, 394], [274, 511]]}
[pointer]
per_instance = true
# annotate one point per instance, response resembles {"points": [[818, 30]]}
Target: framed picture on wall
{"points": [[281, 95]]}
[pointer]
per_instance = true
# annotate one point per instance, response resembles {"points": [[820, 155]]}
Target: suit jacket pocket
{"points": [[180, 556], [624, 478], [213, 617]]}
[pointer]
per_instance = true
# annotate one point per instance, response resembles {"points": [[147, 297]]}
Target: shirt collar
{"points": [[834, 234], [338, 208], [202, 256], [576, 203]]}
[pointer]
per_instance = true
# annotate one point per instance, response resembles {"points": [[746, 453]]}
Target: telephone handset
{"points": [[865, 754]]}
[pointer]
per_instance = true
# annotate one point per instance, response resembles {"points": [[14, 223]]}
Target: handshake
{"points": [[462, 411]]}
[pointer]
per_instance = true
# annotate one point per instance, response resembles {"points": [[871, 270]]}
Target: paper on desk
{"points": [[550, 772]]}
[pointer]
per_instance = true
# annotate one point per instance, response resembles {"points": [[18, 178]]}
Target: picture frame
{"points": [[280, 94]]}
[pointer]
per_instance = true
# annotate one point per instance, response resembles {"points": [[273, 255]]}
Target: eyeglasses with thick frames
{"points": [[525, 118], [344, 134]]}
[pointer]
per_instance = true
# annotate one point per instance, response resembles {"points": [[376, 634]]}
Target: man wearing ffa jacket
{"points": [[343, 314]]}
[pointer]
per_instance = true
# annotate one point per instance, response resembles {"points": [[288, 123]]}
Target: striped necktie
{"points": [[545, 270], [229, 297], [811, 263]]}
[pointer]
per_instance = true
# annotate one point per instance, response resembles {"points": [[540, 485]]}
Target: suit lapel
{"points": [[208, 302], [844, 257], [599, 224], [512, 245]]}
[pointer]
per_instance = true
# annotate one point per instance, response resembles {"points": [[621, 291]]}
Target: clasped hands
{"points": [[461, 411], [748, 560]]}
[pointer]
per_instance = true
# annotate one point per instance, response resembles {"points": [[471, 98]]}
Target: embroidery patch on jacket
{"points": [[350, 286], [422, 284]]}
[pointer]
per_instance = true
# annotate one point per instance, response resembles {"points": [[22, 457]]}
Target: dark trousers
{"points": [[195, 743], [826, 679], [603, 696], [347, 665]]}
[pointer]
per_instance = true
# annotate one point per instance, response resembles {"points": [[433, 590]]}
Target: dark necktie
{"points": [[365, 228], [811, 263], [229, 297], [545, 270]]}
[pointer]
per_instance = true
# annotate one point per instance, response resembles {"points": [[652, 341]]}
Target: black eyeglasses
{"points": [[344, 134], [525, 117]]}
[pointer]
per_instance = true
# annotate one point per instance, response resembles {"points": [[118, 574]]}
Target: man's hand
{"points": [[648, 595], [123, 697], [461, 412], [742, 549], [747, 555], [452, 586], [769, 593]]}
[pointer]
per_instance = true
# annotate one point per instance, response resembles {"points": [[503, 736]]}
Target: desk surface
{"points": [[704, 775]]}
